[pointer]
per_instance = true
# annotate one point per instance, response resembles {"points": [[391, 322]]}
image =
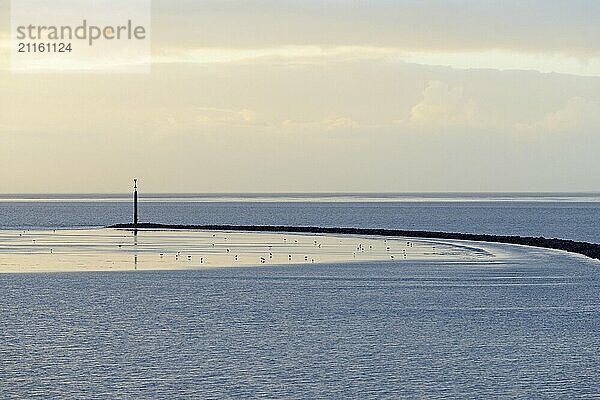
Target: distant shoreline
{"points": [[590, 250]]}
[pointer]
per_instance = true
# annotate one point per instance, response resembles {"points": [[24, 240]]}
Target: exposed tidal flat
{"points": [[164, 249]]}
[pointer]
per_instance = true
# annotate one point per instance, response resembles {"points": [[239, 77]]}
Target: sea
{"points": [[562, 215], [524, 328]]}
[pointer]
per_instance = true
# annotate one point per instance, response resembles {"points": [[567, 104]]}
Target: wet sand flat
{"points": [[122, 250]]}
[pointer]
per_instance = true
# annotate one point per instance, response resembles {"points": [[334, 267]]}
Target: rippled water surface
{"points": [[526, 328]]}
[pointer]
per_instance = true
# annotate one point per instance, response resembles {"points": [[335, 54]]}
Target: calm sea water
{"points": [[526, 328]]}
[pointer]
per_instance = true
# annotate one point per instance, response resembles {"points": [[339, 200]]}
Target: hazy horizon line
{"points": [[319, 193]]}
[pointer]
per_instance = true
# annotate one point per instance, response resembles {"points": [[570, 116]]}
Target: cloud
{"points": [[577, 115], [225, 116], [444, 106], [506, 60], [273, 55], [317, 55], [453, 25], [246, 120], [552, 36], [327, 124]]}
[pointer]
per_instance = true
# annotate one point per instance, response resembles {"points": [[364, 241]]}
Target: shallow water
{"points": [[527, 327]]}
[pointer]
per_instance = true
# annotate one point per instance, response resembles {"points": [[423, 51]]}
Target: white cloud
{"points": [[444, 106]]}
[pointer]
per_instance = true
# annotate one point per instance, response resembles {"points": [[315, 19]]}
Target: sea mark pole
{"points": [[135, 204]]}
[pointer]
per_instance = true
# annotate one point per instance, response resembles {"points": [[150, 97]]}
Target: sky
{"points": [[321, 96]]}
